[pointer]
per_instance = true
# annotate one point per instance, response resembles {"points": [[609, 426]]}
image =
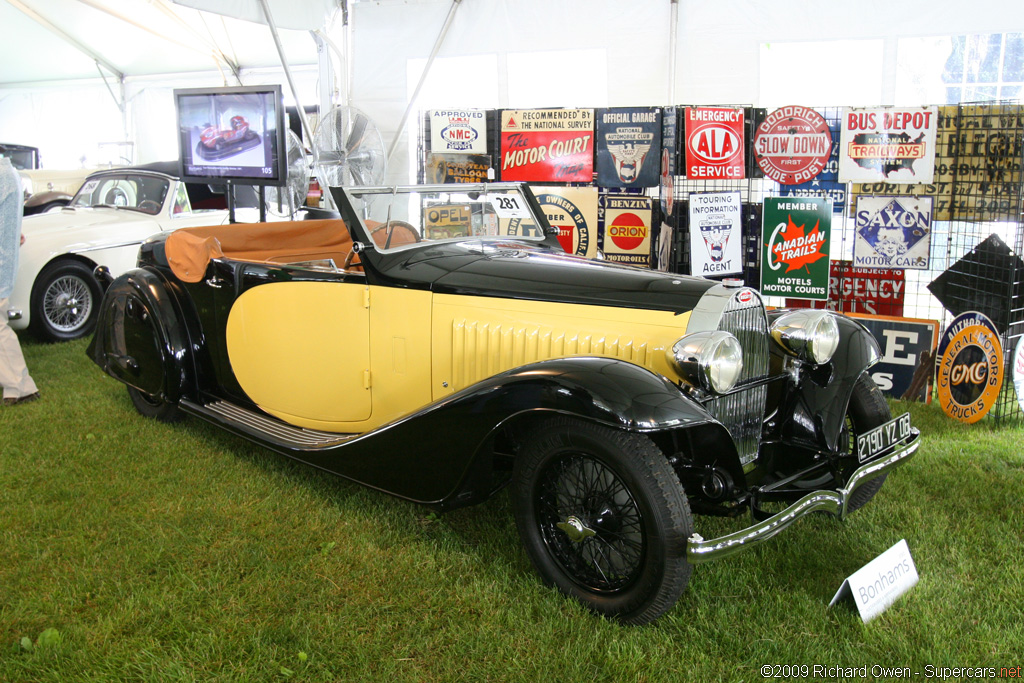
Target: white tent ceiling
{"points": [[61, 40]]}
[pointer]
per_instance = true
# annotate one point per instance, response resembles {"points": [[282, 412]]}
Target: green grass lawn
{"points": [[180, 553]]}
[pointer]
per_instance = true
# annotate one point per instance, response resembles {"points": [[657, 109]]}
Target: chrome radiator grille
{"points": [[743, 412]]}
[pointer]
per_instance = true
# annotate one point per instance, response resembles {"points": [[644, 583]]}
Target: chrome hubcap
{"points": [[67, 303], [575, 529]]}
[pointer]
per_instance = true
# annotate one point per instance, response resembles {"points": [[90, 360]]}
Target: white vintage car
{"points": [[56, 294]]}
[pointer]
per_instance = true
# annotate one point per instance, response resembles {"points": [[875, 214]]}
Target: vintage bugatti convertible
{"points": [[436, 343]]}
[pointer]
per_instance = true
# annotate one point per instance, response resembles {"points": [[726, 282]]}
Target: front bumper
{"points": [[13, 315], [833, 502]]}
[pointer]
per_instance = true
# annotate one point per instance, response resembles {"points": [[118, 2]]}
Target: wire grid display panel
{"points": [[977, 235]]}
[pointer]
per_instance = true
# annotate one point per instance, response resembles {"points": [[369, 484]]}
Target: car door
{"points": [[297, 341]]}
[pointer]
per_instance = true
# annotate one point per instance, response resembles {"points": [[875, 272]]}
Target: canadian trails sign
{"points": [[461, 131], [795, 253], [547, 145], [792, 145], [714, 143], [716, 244], [969, 369], [628, 147], [893, 232], [861, 290], [908, 355], [888, 143], [627, 229], [457, 168], [573, 212]]}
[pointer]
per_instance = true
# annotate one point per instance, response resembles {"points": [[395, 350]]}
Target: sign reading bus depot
{"points": [[542, 145], [969, 369], [795, 239], [888, 143], [627, 229]]}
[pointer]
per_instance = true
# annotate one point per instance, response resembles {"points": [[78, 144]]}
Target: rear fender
{"points": [[139, 338]]}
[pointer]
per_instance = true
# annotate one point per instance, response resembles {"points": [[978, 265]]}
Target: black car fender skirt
{"points": [[139, 339], [437, 455]]}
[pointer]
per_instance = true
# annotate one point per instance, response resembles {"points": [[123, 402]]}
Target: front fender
{"points": [[139, 337], [822, 395], [440, 454]]}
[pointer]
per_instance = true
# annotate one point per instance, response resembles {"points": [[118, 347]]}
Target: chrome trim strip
{"points": [[270, 427], [13, 314], [134, 243], [834, 502]]}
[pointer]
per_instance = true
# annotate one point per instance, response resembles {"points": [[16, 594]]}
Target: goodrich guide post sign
{"points": [[796, 236]]}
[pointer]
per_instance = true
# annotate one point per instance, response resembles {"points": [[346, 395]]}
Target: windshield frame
{"points": [[349, 198], [128, 175]]}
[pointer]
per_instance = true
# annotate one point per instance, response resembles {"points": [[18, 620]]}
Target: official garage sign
{"points": [[969, 370], [714, 143], [792, 145]]}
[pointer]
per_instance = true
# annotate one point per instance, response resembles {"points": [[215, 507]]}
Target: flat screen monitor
{"points": [[232, 134]]}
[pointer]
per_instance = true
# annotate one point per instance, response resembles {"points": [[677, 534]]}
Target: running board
{"points": [[263, 427]]}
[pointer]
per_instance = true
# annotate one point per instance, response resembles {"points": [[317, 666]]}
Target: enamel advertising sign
{"points": [[792, 145], [861, 290], [669, 158], [888, 143], [548, 145], [460, 131], [893, 232], [716, 244], [908, 355], [969, 369], [573, 211], [1018, 372], [628, 147], [627, 229], [457, 168], [714, 143], [795, 240]]}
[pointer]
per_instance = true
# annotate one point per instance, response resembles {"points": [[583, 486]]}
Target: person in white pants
{"points": [[17, 383]]}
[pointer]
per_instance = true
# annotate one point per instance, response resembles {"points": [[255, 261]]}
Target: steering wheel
{"points": [[149, 206], [388, 235]]}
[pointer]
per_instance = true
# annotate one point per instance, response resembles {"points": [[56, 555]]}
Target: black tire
{"points": [[866, 411], [621, 549], [158, 409], [65, 301]]}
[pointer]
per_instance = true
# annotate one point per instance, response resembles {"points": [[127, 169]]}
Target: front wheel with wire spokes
{"points": [[603, 517]]}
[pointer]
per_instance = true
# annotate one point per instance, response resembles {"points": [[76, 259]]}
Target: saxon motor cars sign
{"points": [[969, 369], [892, 232], [554, 145], [715, 233], [628, 147], [795, 247], [714, 143], [458, 131], [888, 143], [793, 144], [627, 229]]}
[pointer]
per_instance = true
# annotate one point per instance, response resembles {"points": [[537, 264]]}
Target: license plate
{"points": [[882, 437]]}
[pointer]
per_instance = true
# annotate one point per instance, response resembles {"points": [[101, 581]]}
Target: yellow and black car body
{"points": [[440, 357]]}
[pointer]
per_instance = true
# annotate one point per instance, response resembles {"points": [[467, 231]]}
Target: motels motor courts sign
{"points": [[888, 143], [715, 233], [627, 229], [792, 145], [795, 236], [861, 290], [461, 131], [893, 232], [969, 369], [543, 145], [714, 143]]}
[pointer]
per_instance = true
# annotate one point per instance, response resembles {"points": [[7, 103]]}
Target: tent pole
{"points": [[673, 35], [423, 77], [45, 23], [288, 75]]}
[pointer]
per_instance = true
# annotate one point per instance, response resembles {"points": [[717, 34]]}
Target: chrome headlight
{"points": [[711, 361], [808, 334]]}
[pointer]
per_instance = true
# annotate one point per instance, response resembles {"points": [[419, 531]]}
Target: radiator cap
{"points": [[732, 282]]}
